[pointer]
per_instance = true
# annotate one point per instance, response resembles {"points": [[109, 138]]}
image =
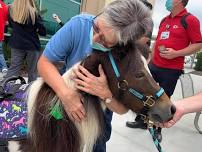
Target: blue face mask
{"points": [[100, 47], [96, 45], [169, 5]]}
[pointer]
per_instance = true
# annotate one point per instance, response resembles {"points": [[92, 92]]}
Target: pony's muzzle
{"points": [[161, 113]]}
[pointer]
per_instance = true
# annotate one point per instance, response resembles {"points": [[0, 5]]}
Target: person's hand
{"points": [[169, 53], [177, 116], [73, 106], [91, 84], [56, 18]]}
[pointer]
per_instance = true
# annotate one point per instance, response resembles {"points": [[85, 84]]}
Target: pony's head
{"points": [[131, 82]]}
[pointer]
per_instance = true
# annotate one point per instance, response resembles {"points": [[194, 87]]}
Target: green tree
{"points": [[198, 66]]}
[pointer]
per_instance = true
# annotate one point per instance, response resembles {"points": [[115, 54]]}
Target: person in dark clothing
{"points": [[24, 41]]}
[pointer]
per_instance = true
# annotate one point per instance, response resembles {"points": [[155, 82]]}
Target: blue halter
{"points": [[123, 85], [148, 101]]}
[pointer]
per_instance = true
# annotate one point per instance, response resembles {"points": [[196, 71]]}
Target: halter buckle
{"points": [[143, 117], [149, 102], [123, 85]]}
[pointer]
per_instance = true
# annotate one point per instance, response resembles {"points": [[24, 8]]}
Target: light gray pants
{"points": [[17, 59]]}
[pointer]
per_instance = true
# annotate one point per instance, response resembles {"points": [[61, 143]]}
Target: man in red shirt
{"points": [[173, 42], [177, 37], [3, 21]]}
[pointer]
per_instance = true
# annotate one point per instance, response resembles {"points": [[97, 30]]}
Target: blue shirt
{"points": [[72, 42]]}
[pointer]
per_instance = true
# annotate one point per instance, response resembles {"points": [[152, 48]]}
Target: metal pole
{"points": [[40, 5]]}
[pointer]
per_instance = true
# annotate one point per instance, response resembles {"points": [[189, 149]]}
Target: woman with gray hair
{"points": [[120, 22]]}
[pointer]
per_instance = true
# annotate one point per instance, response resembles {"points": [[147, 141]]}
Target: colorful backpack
{"points": [[13, 109]]}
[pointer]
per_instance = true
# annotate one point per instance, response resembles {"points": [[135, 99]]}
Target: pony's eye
{"points": [[139, 75]]}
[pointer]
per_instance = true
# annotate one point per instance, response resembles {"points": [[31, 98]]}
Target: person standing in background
{"points": [[24, 41], [179, 35], [3, 22]]}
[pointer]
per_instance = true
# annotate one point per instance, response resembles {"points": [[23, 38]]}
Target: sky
{"points": [[194, 7]]}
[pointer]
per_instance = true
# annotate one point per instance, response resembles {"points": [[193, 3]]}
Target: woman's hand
{"points": [[97, 86], [73, 105], [91, 84], [177, 116]]}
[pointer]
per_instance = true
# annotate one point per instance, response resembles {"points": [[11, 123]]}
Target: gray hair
{"points": [[129, 18]]}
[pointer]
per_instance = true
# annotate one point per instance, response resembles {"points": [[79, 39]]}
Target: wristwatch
{"points": [[108, 100]]}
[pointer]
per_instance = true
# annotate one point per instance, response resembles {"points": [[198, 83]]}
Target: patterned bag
{"points": [[13, 109]]}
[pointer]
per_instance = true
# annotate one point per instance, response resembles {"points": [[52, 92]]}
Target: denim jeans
{"points": [[2, 59], [100, 145]]}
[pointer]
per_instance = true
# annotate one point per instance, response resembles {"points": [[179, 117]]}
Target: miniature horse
{"points": [[46, 134]]}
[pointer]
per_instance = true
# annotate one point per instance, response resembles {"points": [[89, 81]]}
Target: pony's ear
{"points": [[144, 50], [91, 63]]}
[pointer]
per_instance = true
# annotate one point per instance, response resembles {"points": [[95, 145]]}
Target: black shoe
{"points": [[158, 135], [136, 124]]}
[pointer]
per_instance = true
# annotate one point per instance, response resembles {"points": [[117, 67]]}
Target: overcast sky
{"points": [[194, 7]]}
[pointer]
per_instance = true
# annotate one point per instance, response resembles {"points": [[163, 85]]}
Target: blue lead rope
{"points": [[155, 140]]}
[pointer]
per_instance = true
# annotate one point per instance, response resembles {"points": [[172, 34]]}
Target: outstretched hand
{"points": [[177, 116]]}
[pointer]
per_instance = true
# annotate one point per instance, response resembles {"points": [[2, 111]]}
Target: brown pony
{"points": [[46, 134]]}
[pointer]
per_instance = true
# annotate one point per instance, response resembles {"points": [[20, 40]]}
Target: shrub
{"points": [[198, 66]]}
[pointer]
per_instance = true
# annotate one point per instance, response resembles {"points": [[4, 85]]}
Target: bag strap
{"points": [[182, 20], [3, 93]]}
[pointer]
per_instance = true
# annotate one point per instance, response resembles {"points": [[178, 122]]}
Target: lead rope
{"points": [[155, 140]]}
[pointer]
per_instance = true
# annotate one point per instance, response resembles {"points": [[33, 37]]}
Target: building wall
{"points": [[92, 6], [152, 2], [95, 6]]}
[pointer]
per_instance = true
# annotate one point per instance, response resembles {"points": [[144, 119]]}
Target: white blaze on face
{"points": [[145, 64]]}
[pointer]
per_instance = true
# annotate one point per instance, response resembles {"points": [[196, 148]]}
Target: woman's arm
{"points": [[70, 99], [190, 104], [185, 106]]}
